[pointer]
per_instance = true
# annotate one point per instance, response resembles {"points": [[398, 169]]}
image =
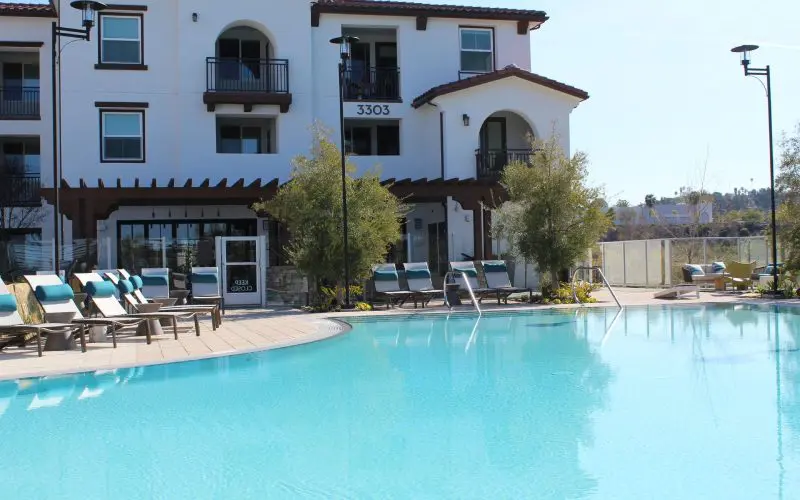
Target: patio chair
{"points": [[418, 276], [102, 295], [387, 285], [13, 328], [130, 289], [206, 288], [740, 274], [496, 273], [57, 299]]}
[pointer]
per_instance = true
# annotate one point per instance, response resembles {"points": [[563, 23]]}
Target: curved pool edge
{"points": [[328, 328]]}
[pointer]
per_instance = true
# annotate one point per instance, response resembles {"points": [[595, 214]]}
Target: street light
{"points": [[344, 43], [89, 9], [744, 50]]}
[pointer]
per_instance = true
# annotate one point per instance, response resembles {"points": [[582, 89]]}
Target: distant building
{"points": [[679, 213]]}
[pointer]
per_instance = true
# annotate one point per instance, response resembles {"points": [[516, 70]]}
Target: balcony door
{"points": [[386, 77], [20, 81], [493, 144], [240, 65]]}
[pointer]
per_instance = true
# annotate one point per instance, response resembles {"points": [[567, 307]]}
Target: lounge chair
{"points": [[677, 291], [57, 298], [102, 295], [496, 273], [12, 326], [418, 276], [387, 285], [468, 273], [205, 288], [131, 293], [740, 274], [155, 281]]}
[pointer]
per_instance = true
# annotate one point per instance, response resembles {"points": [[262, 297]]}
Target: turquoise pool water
{"points": [[656, 403]]}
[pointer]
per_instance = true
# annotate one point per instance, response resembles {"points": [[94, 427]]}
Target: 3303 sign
{"points": [[373, 109]]}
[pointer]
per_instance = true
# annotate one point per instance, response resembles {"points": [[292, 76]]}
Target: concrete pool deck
{"points": [[248, 330]]}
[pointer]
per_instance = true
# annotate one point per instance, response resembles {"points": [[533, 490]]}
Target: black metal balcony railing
{"points": [[247, 75], [18, 102], [491, 162], [372, 84], [20, 190]]}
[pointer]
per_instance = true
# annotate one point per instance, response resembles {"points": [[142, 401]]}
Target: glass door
{"points": [[241, 280]]}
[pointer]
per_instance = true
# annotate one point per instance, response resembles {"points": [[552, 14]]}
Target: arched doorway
{"points": [[244, 61], [505, 137]]}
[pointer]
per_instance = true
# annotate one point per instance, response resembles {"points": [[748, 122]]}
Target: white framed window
{"points": [[477, 50], [121, 39], [122, 136]]}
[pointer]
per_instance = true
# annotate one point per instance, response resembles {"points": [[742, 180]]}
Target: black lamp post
{"points": [[344, 42], [748, 71], [88, 9]]}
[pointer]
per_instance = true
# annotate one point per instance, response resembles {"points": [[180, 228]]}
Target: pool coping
{"points": [[335, 328]]}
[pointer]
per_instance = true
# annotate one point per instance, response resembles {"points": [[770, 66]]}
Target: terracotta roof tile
{"points": [[42, 8], [494, 76], [386, 7]]}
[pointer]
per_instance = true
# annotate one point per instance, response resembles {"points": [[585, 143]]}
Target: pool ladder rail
{"points": [[602, 276], [469, 289]]}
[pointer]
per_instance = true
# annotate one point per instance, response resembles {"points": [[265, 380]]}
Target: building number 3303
{"points": [[373, 109]]}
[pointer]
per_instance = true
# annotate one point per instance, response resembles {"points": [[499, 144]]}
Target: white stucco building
{"points": [[180, 113]]}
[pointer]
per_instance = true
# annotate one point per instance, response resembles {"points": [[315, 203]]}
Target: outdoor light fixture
{"points": [[194, 17], [89, 10], [465, 119], [344, 42], [745, 50]]}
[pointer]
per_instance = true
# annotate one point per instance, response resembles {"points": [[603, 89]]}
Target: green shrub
{"points": [[563, 294]]}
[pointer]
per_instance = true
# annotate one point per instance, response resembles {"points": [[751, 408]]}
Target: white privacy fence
{"points": [[658, 262]]}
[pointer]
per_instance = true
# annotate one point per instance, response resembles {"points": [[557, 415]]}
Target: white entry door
{"points": [[242, 279]]}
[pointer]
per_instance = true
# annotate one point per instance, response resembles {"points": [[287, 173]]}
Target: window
{"points": [[121, 40], [245, 136], [372, 137], [477, 50], [20, 157], [122, 136]]}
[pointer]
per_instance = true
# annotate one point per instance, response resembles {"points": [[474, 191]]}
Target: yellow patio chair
{"points": [[739, 273]]}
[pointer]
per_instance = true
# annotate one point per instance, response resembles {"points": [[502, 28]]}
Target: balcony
{"points": [[248, 82], [19, 103], [491, 162], [372, 84], [20, 190]]}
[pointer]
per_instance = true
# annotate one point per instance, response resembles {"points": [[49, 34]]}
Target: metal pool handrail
{"points": [[469, 289], [602, 276]]}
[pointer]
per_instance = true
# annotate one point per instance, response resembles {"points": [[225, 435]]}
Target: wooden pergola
{"points": [[85, 204]]}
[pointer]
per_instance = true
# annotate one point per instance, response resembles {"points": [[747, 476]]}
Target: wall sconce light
{"points": [[465, 118], [194, 17]]}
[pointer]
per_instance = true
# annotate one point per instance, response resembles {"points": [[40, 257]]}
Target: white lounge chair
{"points": [[497, 279], [101, 294], [56, 298], [130, 291], [387, 284], [12, 325], [418, 276], [677, 292]]}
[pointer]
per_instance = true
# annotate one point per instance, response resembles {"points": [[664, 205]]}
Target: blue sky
{"points": [[668, 99]]}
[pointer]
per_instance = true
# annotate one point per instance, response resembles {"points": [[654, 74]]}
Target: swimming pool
{"points": [[658, 402]]}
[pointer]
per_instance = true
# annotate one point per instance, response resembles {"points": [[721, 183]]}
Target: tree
{"points": [[788, 185], [650, 201], [623, 203], [552, 217], [310, 205]]}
